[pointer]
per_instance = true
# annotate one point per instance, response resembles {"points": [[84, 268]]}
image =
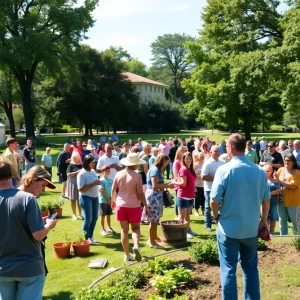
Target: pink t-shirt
{"points": [[130, 185], [176, 167], [164, 149], [189, 190]]}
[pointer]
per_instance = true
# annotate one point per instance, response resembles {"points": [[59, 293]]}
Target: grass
{"points": [[69, 275]]}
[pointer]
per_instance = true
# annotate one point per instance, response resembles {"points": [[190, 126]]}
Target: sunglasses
{"points": [[269, 146]]}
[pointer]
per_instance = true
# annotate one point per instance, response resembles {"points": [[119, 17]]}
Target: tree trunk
{"points": [[247, 128], [86, 129], [7, 106]]}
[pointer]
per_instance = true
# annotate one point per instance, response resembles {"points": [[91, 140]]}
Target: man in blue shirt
{"points": [[243, 189]]}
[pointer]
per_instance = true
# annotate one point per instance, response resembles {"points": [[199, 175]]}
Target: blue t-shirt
{"points": [[274, 186], [152, 160], [154, 171], [106, 185], [241, 186], [47, 159]]}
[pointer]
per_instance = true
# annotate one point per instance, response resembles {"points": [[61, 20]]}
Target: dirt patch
{"points": [[206, 283]]}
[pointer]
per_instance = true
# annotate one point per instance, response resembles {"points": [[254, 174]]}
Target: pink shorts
{"points": [[129, 214]]}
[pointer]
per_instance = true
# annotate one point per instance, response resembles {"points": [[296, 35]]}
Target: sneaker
{"points": [[129, 258], [111, 231], [189, 236], [81, 217], [190, 231], [208, 229], [74, 218], [136, 251], [103, 232], [93, 242]]}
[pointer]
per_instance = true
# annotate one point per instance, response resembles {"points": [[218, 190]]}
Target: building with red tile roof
{"points": [[146, 88]]}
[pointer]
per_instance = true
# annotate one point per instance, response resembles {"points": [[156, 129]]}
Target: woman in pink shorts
{"points": [[128, 201]]}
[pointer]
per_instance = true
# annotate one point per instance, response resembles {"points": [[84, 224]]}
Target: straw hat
{"points": [[50, 185], [132, 159]]}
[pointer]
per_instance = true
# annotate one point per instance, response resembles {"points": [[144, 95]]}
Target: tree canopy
{"points": [[242, 62], [40, 31]]}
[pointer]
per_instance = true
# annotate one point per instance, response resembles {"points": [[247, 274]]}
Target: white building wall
{"points": [[147, 91]]}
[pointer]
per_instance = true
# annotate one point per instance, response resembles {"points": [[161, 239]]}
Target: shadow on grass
{"points": [[59, 296]]}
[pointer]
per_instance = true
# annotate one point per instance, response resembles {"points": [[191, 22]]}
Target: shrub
{"points": [[296, 243], [163, 284], [106, 293], [43, 205], [180, 274], [205, 252], [55, 205], [160, 265], [262, 245], [130, 277]]}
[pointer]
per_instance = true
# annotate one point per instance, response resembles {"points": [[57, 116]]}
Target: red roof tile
{"points": [[140, 79]]}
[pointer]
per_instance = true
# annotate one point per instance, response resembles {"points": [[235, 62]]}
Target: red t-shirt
{"points": [[189, 190]]}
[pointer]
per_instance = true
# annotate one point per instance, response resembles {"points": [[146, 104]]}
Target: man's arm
{"points": [[264, 211], [207, 178], [39, 235], [215, 205]]}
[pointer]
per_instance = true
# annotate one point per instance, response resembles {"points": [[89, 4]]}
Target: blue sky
{"points": [[135, 24]]}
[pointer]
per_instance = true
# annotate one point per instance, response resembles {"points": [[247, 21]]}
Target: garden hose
{"points": [[134, 263]]}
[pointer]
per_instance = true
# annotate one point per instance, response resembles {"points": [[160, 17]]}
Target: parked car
{"points": [[22, 130], [287, 129]]}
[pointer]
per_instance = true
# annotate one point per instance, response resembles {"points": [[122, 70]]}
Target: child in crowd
{"points": [[105, 209], [275, 190], [47, 161]]}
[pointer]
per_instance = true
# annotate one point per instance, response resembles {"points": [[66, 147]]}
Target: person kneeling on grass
{"points": [[105, 202]]}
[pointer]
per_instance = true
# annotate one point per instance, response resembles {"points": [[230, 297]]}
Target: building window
{"points": [[155, 89], [162, 90], [150, 88], [145, 88]]}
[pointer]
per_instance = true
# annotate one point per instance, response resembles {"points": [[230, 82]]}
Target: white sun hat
{"points": [[132, 159]]}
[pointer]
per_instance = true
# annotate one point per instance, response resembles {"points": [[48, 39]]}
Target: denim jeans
{"points": [[283, 213], [230, 251], [22, 288], [207, 210], [176, 204], [168, 169], [29, 166], [90, 207]]}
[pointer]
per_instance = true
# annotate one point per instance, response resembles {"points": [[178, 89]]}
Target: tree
{"points": [[40, 31], [238, 57], [101, 96], [169, 51], [119, 53], [161, 114], [19, 116], [135, 66], [8, 97]]}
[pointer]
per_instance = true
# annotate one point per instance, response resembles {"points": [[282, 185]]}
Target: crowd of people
{"points": [[240, 186]]}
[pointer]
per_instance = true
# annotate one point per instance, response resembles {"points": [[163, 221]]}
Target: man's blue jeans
{"points": [[90, 206], [284, 213], [29, 166], [22, 288], [207, 210], [230, 251]]}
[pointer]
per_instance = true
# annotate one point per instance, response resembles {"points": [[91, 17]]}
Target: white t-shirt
{"points": [[85, 177], [262, 145], [210, 167], [104, 160]]}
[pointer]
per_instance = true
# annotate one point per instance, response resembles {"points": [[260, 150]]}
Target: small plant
{"points": [[296, 243], [176, 297], [163, 284], [106, 293], [180, 274], [55, 205], [205, 252], [79, 236], [43, 206], [262, 245], [130, 277], [160, 265], [66, 238]]}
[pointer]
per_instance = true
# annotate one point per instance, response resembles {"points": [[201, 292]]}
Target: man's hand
{"points": [[51, 223], [262, 224]]}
